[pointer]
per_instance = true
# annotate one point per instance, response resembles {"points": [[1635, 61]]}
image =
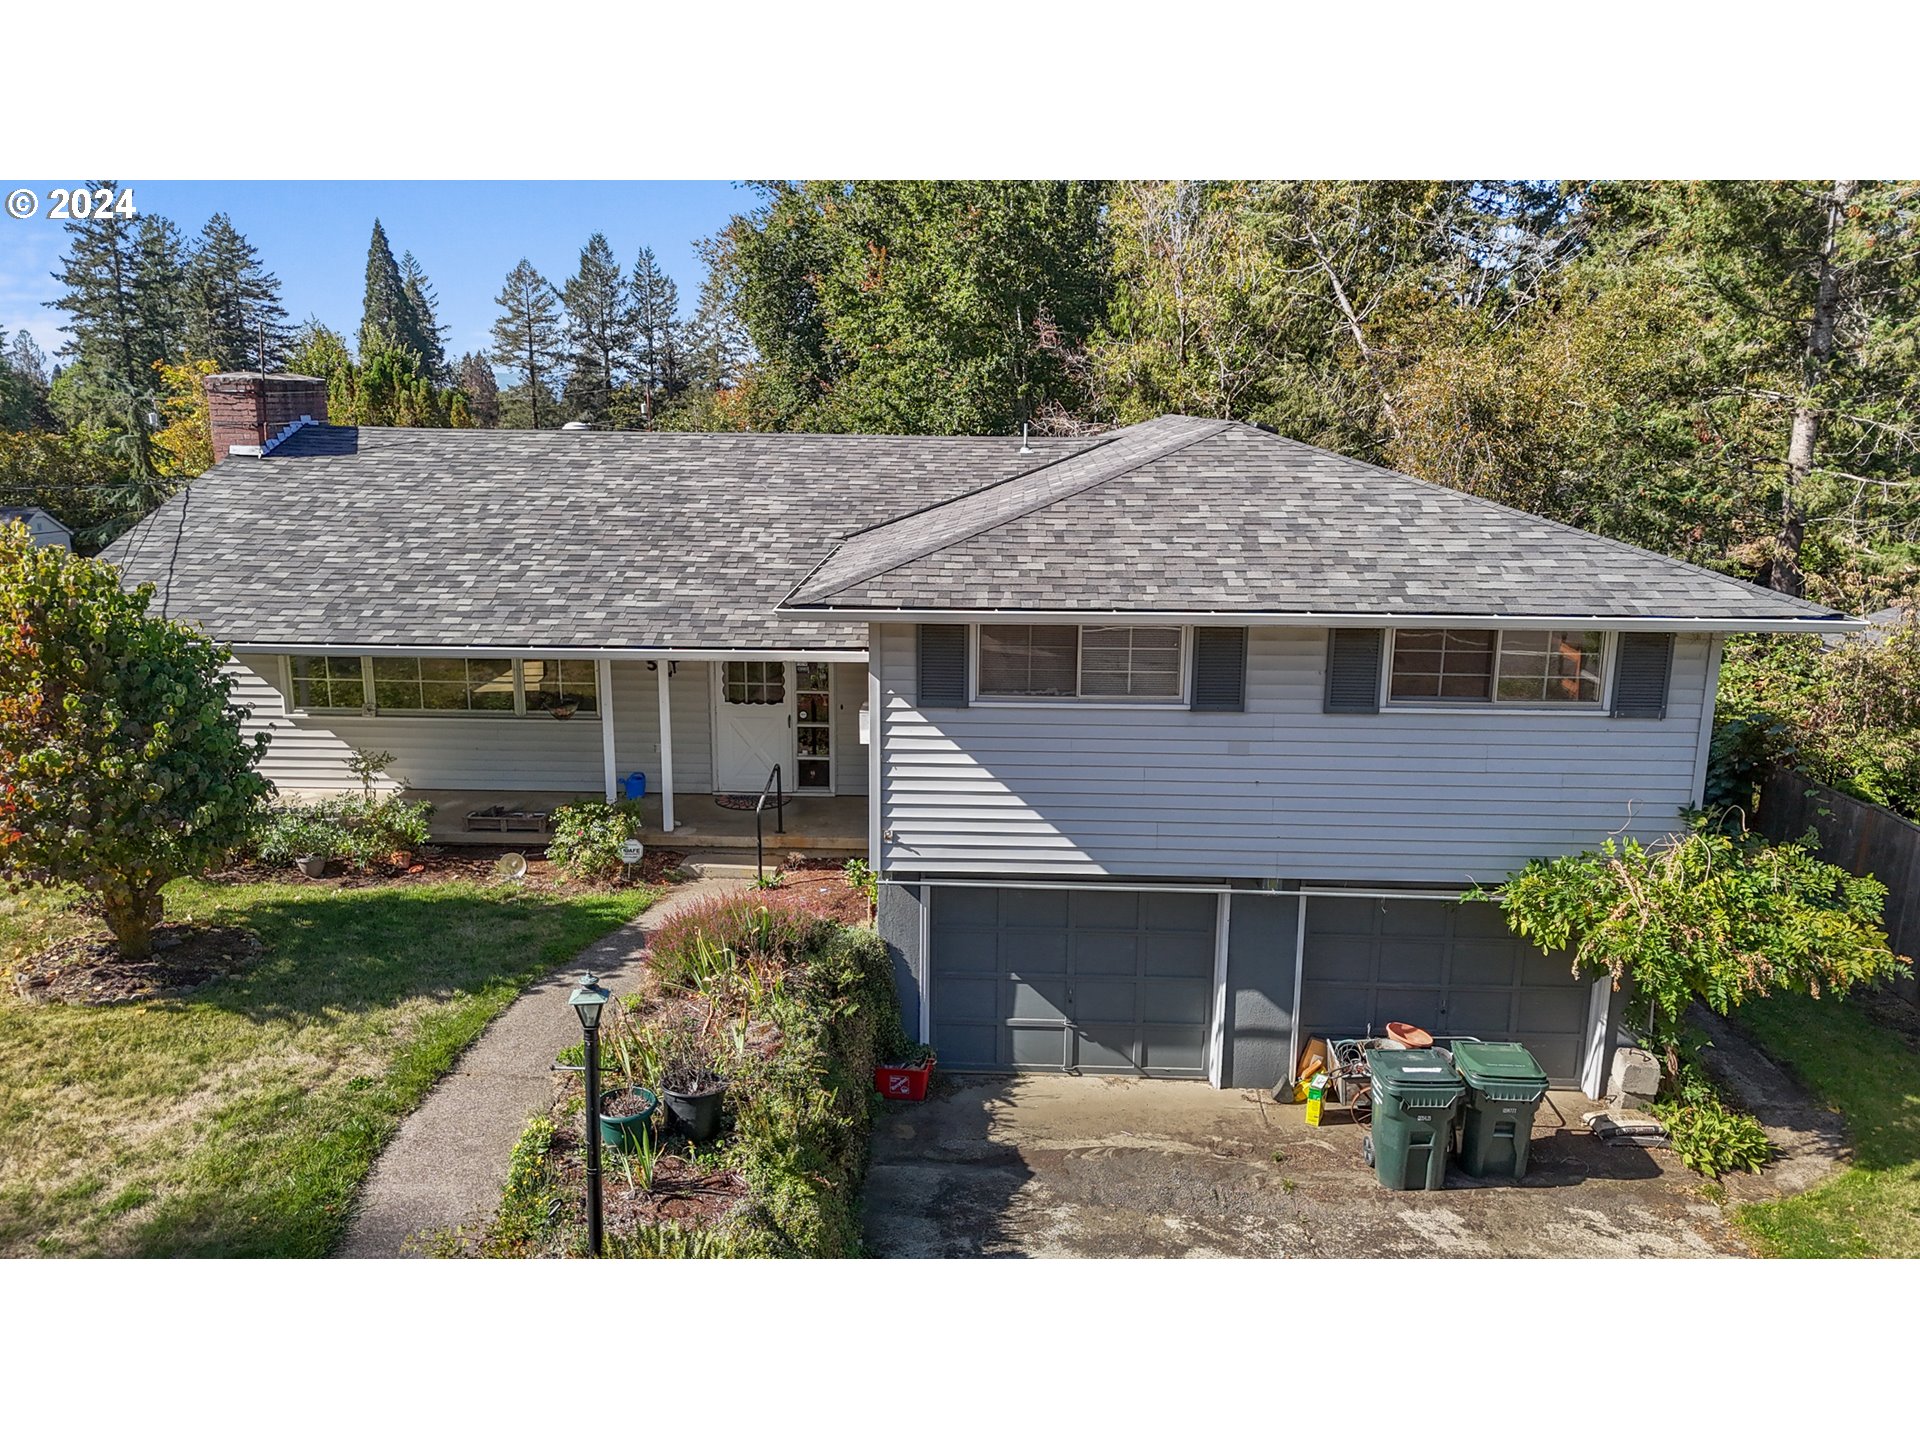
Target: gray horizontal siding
{"points": [[1281, 789], [308, 753]]}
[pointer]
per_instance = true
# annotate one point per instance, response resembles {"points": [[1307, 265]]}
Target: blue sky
{"points": [[468, 235]]}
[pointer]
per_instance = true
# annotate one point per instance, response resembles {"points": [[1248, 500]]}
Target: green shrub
{"points": [[1707, 1134], [587, 837], [290, 834], [347, 827], [859, 875]]}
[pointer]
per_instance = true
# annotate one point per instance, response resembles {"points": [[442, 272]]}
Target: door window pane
{"points": [[754, 682], [1442, 665], [1550, 666]]}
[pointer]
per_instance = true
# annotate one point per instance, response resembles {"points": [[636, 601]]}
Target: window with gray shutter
{"points": [[943, 665], [1219, 668], [1353, 672], [1640, 676]]}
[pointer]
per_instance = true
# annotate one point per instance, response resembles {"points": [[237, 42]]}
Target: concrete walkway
{"points": [[448, 1162]]}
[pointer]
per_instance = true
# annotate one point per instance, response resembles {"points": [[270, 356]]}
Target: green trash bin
{"points": [[1505, 1085], [1415, 1095]]}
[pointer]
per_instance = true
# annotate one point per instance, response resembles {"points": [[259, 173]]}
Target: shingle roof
{"points": [[1219, 517], [534, 539]]}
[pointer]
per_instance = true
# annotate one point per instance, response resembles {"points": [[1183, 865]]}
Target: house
{"points": [[44, 529], [1180, 743]]}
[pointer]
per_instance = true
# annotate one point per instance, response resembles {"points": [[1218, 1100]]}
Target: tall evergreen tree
{"points": [[599, 330], [233, 302], [111, 293], [23, 378], [424, 332], [658, 342], [160, 282], [385, 313], [474, 375], [527, 339]]}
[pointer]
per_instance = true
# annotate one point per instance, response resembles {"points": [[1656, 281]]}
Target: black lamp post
{"points": [[587, 1001]]}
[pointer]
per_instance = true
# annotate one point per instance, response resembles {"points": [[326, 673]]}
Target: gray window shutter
{"points": [[943, 665], [1219, 668], [1353, 671], [1640, 676]]}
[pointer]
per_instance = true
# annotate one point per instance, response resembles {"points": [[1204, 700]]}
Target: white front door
{"points": [[752, 725]]}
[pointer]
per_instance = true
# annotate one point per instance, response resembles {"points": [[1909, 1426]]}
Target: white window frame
{"points": [[1602, 706], [370, 708], [1078, 701]]}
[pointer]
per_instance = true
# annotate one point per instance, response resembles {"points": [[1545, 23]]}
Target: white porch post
{"points": [[603, 682], [666, 749]]}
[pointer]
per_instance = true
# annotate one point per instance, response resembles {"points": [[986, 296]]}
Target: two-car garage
{"points": [[1208, 982]]}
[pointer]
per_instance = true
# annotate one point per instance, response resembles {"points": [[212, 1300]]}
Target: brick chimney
{"points": [[249, 413]]}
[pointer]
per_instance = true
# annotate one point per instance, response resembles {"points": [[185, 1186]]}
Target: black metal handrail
{"points": [[759, 824]]}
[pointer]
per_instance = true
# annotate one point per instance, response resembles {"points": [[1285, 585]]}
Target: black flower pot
{"points": [[696, 1116]]}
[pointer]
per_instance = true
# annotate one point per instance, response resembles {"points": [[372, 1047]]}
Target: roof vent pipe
{"points": [[1025, 449], [576, 425]]}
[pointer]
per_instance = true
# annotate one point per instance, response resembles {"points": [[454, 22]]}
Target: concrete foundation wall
{"points": [[1262, 940], [898, 921]]}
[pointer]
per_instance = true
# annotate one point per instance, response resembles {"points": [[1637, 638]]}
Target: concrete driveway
{"points": [[1055, 1165]]}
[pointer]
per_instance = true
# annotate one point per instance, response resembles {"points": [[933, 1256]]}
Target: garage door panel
{"points": [[1115, 1002], [1106, 1047], [1102, 953], [1484, 962], [1554, 1010], [1107, 909], [1168, 913], [1182, 954], [1479, 1012], [1329, 1010], [1417, 1007], [1037, 1046], [1339, 957], [1040, 997], [1174, 1048], [1480, 920], [1539, 968], [1410, 961], [971, 950], [1411, 921], [964, 997], [1335, 916], [1185, 1002], [1559, 1055], [1107, 980], [1032, 909]]}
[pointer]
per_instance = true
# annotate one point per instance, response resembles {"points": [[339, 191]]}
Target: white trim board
{"points": [[1325, 620]]}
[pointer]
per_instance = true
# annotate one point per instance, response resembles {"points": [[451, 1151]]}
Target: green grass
{"points": [[241, 1119], [1872, 1076]]}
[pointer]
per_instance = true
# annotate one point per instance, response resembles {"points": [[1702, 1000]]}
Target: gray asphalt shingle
{"points": [[1233, 518]]}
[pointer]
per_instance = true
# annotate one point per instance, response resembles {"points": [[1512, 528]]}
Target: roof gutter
{"points": [[1686, 624]]}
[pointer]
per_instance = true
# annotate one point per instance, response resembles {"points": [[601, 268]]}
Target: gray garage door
{"points": [[1113, 982], [1453, 969]]}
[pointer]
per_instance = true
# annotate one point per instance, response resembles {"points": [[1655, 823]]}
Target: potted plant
{"points": [[627, 1110], [313, 842], [692, 1082], [905, 1078], [563, 706]]}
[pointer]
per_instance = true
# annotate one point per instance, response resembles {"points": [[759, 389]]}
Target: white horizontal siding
{"points": [[1281, 790], [308, 753]]}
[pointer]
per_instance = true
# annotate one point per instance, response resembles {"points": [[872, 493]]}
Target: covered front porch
{"points": [[815, 824]]}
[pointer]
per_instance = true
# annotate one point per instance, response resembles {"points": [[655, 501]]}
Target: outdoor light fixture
{"points": [[588, 999]]}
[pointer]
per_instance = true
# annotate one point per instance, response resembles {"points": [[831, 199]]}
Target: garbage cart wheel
{"points": [[1366, 1151]]}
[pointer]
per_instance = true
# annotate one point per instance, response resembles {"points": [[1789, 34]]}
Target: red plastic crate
{"points": [[903, 1082]]}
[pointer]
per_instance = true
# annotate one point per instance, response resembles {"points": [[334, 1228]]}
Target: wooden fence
{"points": [[1864, 839]]}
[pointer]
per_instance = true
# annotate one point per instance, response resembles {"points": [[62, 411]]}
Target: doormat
{"points": [[746, 802]]}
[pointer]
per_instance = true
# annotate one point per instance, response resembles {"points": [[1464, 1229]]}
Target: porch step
{"points": [[721, 865]]}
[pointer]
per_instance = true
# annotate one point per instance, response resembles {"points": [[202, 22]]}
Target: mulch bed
{"points": [[436, 865], [682, 1191], [89, 969], [822, 887]]}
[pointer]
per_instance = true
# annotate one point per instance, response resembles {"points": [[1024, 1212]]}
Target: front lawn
{"points": [[1866, 1069], [240, 1119]]}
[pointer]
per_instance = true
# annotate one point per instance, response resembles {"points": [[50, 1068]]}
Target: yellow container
{"points": [[1316, 1092]]}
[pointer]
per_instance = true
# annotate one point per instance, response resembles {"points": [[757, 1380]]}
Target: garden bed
{"points": [[793, 1009], [90, 970], [433, 866]]}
